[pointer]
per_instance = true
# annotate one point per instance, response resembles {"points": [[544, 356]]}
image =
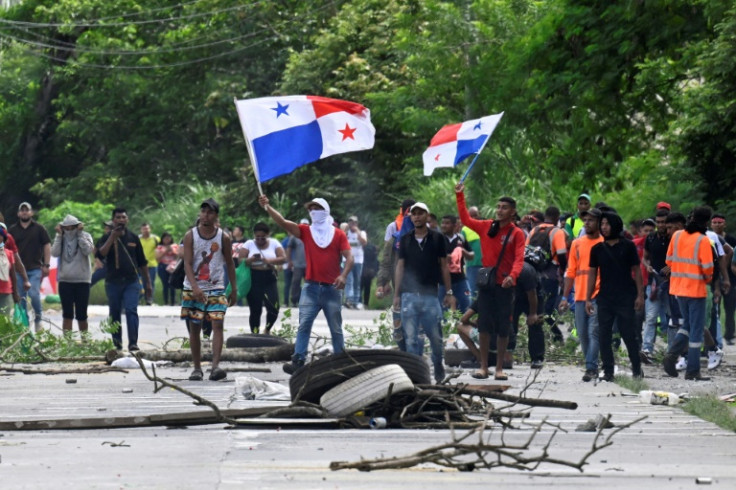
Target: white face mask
{"points": [[318, 216]]}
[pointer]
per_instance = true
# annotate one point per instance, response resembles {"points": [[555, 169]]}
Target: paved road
{"points": [[670, 449]]}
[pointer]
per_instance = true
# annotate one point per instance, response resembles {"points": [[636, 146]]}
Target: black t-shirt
{"points": [[656, 245], [731, 240], [528, 280], [123, 267], [614, 263], [457, 241], [422, 271], [30, 241]]}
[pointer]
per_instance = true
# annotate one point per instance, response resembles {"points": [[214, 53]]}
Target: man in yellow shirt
{"points": [[149, 241]]}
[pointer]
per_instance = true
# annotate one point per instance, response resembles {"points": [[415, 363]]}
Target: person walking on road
{"points": [[324, 247]]}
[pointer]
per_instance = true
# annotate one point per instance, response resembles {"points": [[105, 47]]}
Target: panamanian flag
{"points": [[285, 133], [455, 142]]}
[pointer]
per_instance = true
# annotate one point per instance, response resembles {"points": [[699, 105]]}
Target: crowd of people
{"points": [[668, 272]]}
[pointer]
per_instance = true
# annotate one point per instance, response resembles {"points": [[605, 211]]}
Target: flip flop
{"points": [[501, 377], [479, 375]]}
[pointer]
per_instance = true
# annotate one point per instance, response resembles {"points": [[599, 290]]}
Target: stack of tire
{"points": [[252, 340], [352, 380]]}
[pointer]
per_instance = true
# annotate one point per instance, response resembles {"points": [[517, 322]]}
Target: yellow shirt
{"points": [[149, 249]]}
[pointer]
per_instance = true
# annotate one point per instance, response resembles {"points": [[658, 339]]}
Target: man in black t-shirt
{"points": [[621, 292], [421, 267], [458, 251], [718, 225], [123, 255], [657, 290]]}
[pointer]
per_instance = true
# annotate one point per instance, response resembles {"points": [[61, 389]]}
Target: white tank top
{"points": [[208, 263]]}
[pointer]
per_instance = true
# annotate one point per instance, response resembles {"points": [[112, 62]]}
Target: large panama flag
{"points": [[455, 142], [285, 133]]}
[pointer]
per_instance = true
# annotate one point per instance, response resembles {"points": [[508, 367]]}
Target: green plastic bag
{"points": [[242, 278], [20, 315]]}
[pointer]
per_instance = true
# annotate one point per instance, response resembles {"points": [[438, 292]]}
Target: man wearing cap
{"points": [[574, 224], [324, 247], [578, 273], [34, 247], [422, 266], [123, 255], [73, 246], [208, 253], [664, 205], [357, 239]]}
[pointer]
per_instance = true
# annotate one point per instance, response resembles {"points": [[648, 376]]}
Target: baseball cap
{"points": [[353, 218], [212, 204], [648, 221], [419, 205], [109, 223], [594, 212], [26, 205], [664, 205], [585, 196], [319, 202]]}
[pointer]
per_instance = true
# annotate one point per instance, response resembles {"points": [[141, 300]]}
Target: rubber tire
{"points": [[328, 372], [248, 340], [364, 389], [453, 357]]}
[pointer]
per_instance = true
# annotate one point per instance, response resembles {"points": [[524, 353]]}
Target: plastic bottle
{"points": [[659, 397]]}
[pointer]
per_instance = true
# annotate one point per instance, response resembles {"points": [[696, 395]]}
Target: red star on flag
{"points": [[437, 158], [347, 132]]}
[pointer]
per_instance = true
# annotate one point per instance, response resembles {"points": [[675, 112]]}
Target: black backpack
{"points": [[538, 252]]}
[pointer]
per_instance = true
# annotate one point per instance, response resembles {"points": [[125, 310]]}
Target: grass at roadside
{"points": [[712, 409], [634, 385]]}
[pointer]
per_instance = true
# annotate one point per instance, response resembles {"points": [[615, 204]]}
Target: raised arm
{"points": [[282, 222]]}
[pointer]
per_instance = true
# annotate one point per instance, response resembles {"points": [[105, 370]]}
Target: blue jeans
{"points": [[119, 296], [471, 273], [352, 285], [587, 327], [34, 277], [288, 275], [654, 309], [423, 311], [316, 297], [461, 291], [691, 331]]}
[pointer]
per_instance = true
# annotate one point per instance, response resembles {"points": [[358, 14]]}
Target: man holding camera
{"points": [[122, 251]]}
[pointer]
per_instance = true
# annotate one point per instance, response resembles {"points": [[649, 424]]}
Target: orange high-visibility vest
{"points": [[691, 262], [578, 266]]}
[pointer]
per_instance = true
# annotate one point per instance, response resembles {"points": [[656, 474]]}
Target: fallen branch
{"points": [[532, 402], [17, 341], [255, 354], [90, 370]]}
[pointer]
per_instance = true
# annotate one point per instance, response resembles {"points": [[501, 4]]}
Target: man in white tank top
{"points": [[206, 250]]}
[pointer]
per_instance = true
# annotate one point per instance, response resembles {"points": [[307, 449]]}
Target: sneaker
{"points": [[133, 348], [729, 341], [646, 357], [359, 306], [696, 377], [714, 359], [681, 363], [537, 364], [217, 374], [196, 375], [37, 326], [290, 367], [607, 377], [638, 374], [590, 375], [439, 375], [669, 362]]}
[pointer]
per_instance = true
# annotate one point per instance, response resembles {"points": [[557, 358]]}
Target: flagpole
{"points": [[251, 153]]}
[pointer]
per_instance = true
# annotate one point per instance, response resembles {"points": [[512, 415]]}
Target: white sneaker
{"points": [[359, 306], [681, 364], [715, 358]]}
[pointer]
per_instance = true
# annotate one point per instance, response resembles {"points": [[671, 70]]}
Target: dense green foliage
{"points": [[131, 102]]}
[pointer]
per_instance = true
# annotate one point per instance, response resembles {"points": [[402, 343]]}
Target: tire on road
{"points": [[364, 389], [316, 378], [453, 357], [253, 340]]}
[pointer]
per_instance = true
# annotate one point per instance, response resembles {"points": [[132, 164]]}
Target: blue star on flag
{"points": [[477, 126], [280, 109]]}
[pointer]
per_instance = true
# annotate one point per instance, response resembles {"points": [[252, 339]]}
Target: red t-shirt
{"points": [[10, 244], [6, 287], [323, 264], [639, 242]]}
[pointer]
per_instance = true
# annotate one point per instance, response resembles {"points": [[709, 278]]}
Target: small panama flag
{"points": [[455, 142], [285, 133]]}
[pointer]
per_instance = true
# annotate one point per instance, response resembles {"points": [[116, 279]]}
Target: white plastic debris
{"points": [[257, 389], [659, 397], [130, 363]]}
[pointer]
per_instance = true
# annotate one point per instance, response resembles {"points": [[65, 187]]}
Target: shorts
{"points": [[213, 309], [495, 308]]}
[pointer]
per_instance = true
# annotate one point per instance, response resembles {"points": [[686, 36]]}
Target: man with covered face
{"points": [[324, 247], [621, 292]]}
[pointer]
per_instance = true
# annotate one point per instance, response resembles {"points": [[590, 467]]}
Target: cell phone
{"points": [[256, 256]]}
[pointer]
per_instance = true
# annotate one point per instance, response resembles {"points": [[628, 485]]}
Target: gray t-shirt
{"points": [[298, 259]]}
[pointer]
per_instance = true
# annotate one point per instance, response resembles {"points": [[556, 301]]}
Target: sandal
{"points": [[217, 374], [197, 375], [479, 375], [501, 377]]}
